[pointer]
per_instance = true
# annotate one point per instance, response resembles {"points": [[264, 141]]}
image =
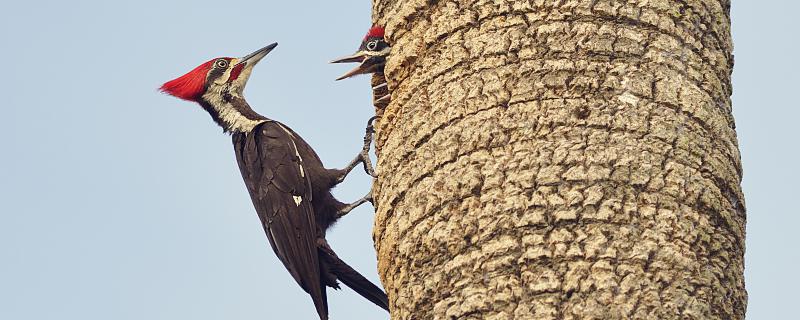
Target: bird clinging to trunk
{"points": [[288, 184], [371, 56]]}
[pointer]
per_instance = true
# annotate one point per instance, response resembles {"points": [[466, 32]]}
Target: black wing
{"points": [[281, 192]]}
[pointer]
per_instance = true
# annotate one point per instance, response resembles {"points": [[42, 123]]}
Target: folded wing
{"points": [[281, 192]]}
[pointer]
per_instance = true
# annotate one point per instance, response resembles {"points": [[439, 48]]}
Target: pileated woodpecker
{"points": [[371, 55], [289, 186]]}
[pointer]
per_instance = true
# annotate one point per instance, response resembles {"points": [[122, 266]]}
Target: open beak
{"points": [[369, 64], [356, 57], [250, 60]]}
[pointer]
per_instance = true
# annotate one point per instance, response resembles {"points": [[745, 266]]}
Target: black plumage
{"points": [[290, 189], [288, 184]]}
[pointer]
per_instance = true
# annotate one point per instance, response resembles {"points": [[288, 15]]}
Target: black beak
{"points": [[369, 64], [356, 57], [255, 57]]}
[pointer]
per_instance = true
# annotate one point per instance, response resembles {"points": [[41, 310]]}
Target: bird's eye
{"points": [[372, 45], [222, 63]]}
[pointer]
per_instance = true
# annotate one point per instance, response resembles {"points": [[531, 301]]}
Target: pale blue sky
{"points": [[117, 202]]}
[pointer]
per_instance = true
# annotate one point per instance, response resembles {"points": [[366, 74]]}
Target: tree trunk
{"points": [[559, 160]]}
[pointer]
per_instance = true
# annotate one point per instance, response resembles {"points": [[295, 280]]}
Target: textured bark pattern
{"points": [[379, 91], [559, 160]]}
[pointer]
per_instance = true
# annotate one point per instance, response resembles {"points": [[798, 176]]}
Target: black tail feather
{"points": [[322, 310], [351, 278], [360, 285]]}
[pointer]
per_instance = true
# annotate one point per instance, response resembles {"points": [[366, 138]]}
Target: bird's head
{"points": [[371, 54], [217, 79]]}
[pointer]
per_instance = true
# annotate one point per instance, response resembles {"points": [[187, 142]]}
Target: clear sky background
{"points": [[118, 202]]}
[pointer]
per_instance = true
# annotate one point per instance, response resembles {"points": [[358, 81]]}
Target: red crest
{"points": [[190, 85], [374, 32]]}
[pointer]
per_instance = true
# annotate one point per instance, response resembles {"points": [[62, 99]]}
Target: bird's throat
{"points": [[232, 113]]}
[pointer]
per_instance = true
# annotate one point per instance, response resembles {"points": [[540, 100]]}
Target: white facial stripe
{"points": [[244, 75], [235, 121], [297, 200], [232, 119], [225, 75], [384, 52]]}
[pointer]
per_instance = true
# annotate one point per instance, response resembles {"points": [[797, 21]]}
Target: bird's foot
{"points": [[346, 209], [363, 156]]}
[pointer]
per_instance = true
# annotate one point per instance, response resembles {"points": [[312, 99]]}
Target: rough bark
{"points": [[559, 160], [379, 90]]}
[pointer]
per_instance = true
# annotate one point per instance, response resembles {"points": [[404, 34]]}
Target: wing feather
{"points": [[281, 193]]}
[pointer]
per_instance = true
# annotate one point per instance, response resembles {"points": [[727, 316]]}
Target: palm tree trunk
{"points": [[560, 160]]}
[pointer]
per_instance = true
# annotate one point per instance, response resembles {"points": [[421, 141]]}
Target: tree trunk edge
{"points": [[647, 220]]}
